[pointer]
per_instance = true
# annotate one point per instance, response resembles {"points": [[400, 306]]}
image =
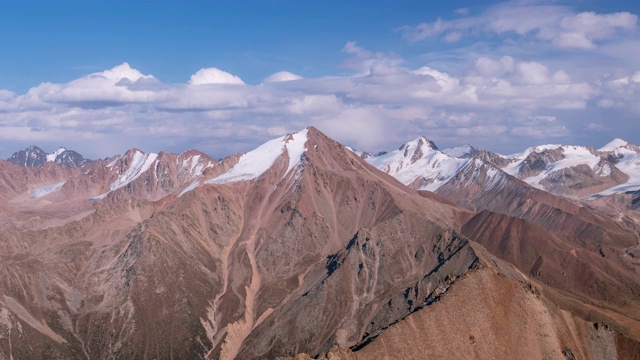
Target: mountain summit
{"points": [[34, 156]]}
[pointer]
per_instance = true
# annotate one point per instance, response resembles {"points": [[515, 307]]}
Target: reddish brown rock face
{"points": [[299, 248]]}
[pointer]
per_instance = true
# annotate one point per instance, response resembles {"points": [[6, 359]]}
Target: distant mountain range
{"points": [[573, 171], [304, 247], [34, 156], [567, 170]]}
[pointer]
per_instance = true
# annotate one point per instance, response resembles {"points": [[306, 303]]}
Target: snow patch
{"points": [[193, 185], [194, 166], [113, 162], [534, 149], [254, 163], [46, 190], [573, 156], [52, 157], [140, 163], [630, 165], [100, 197]]}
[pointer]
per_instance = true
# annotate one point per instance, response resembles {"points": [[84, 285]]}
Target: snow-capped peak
{"points": [[254, 163], [52, 157], [419, 160], [534, 149], [418, 148], [614, 144], [138, 165], [140, 162]]}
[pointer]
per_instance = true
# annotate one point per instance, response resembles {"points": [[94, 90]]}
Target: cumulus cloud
{"points": [[558, 25], [620, 92], [281, 76], [213, 75], [116, 85], [494, 67]]}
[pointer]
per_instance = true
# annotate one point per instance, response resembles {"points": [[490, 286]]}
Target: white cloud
{"points": [[462, 11], [533, 73], [594, 126], [352, 48], [493, 68], [557, 25], [539, 132], [453, 36], [481, 130], [120, 72], [381, 103], [365, 60], [213, 75], [117, 85], [281, 76]]}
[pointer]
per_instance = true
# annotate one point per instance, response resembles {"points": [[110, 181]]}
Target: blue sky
{"points": [[58, 41], [101, 77]]}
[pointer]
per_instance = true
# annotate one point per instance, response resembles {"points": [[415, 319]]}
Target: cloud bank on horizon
{"points": [[513, 74]]}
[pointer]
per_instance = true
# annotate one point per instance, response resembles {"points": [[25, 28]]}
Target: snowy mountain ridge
{"points": [[568, 170], [574, 171]]}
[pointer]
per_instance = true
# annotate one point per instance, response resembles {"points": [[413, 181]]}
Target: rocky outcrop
{"points": [[31, 156], [70, 158], [472, 321], [484, 305]]}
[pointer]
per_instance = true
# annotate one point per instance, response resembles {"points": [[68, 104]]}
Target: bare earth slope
{"points": [[486, 315]]}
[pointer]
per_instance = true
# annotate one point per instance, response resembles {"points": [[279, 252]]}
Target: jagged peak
{"points": [[33, 148], [34, 156], [422, 143], [194, 152], [132, 152]]}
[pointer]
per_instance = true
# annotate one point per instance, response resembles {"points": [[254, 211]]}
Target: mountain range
{"points": [[305, 247]]}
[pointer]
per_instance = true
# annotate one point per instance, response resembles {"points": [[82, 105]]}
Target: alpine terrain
{"points": [[304, 248]]}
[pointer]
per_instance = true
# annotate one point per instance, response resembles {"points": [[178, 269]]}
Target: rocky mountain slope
{"points": [[302, 246]]}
